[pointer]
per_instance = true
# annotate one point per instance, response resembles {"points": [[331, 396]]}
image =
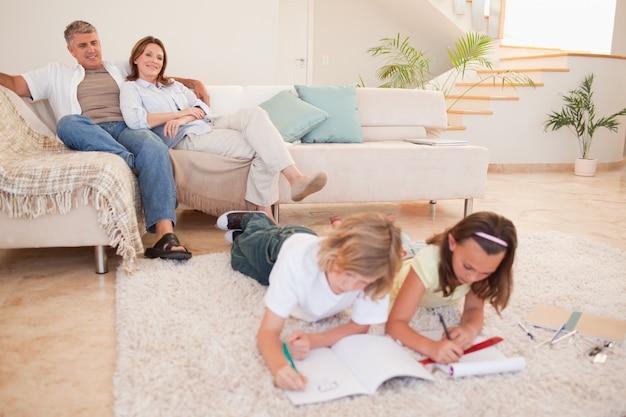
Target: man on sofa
{"points": [[85, 102]]}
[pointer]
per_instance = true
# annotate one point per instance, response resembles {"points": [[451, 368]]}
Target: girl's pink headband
{"points": [[492, 238]]}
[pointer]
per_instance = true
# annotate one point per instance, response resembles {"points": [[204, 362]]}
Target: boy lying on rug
{"points": [[312, 278]]}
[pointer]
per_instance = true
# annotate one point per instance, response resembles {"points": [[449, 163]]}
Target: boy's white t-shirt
{"points": [[298, 287]]}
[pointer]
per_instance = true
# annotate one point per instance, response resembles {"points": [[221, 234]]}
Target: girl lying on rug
{"points": [[312, 278], [473, 260]]}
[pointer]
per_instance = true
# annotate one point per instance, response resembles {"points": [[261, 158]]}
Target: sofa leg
{"points": [[469, 206], [433, 208], [275, 211], [101, 260]]}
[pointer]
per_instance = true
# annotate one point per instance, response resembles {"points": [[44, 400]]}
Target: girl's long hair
{"points": [[497, 287]]}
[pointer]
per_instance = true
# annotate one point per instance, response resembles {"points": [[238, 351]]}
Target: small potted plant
{"points": [[578, 115]]}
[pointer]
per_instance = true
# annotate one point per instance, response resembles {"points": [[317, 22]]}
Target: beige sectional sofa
{"points": [[384, 168]]}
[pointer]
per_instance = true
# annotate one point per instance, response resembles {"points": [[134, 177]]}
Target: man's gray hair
{"points": [[77, 26]]}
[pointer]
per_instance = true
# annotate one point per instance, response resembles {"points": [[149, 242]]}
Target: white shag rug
{"points": [[186, 344]]}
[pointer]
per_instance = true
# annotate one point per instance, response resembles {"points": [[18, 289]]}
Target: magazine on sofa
{"points": [[438, 142]]}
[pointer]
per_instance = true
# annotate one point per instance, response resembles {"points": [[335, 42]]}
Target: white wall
{"points": [[236, 42], [210, 40], [224, 42], [345, 29], [618, 46]]}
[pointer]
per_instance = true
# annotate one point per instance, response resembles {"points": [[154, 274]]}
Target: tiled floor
{"points": [[57, 317]]}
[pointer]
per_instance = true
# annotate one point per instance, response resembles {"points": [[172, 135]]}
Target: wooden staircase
{"points": [[532, 62], [510, 120]]}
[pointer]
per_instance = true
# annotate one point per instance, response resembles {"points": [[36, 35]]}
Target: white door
{"points": [[293, 42]]}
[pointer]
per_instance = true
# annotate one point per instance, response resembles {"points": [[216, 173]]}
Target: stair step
{"points": [[516, 50], [497, 85], [556, 60], [472, 105], [524, 70], [469, 97], [456, 128], [469, 111], [535, 74], [558, 54], [488, 88], [535, 56]]}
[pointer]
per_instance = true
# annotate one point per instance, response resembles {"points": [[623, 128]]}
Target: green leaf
{"points": [[405, 66], [578, 114]]}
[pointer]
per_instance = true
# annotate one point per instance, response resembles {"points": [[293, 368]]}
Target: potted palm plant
{"points": [[578, 114], [408, 67]]}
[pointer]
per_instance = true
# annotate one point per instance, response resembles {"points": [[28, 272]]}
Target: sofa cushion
{"points": [[340, 102], [398, 113], [409, 107], [386, 133], [253, 95], [292, 116], [225, 99]]}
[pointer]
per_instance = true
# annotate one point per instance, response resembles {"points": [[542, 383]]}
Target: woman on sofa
{"points": [[150, 100]]}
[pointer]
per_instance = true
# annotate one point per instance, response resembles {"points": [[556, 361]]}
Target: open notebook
{"points": [[361, 363], [357, 364]]}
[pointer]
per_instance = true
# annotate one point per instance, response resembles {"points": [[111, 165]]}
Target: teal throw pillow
{"points": [[341, 103], [293, 117]]}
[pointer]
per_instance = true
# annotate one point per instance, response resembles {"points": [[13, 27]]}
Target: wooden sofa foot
{"points": [[275, 211], [101, 260], [433, 208], [469, 206]]}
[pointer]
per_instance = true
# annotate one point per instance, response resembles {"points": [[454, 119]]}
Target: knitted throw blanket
{"points": [[40, 176]]}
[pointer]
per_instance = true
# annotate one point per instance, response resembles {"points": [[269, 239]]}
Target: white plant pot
{"points": [[585, 167]]}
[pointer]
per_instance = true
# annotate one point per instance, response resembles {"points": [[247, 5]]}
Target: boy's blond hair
{"points": [[367, 244]]}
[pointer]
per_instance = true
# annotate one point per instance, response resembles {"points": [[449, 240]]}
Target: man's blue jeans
{"points": [[142, 150]]}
